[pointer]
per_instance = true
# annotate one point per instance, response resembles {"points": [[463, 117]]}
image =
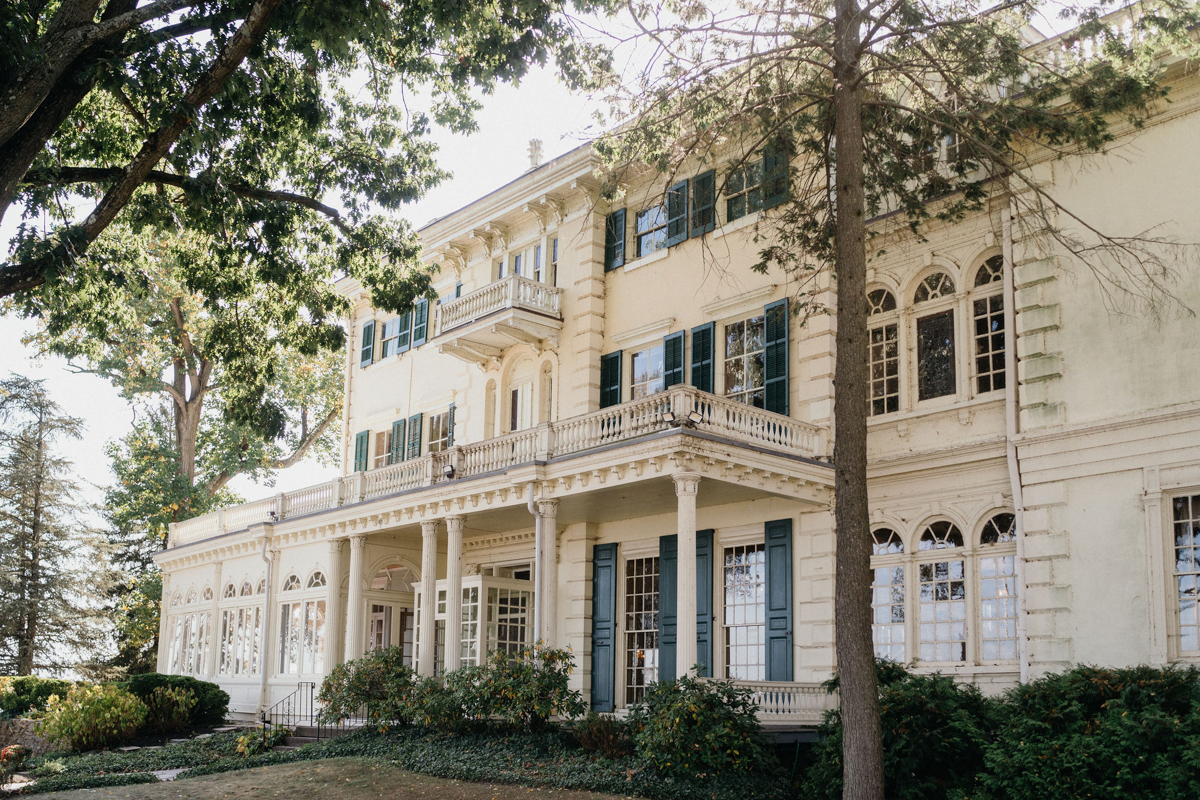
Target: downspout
{"points": [[1010, 432], [537, 565], [266, 630]]}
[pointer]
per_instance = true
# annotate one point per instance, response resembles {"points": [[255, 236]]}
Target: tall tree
{"points": [[900, 111], [238, 118], [51, 561]]}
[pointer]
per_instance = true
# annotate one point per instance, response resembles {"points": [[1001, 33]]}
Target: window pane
{"points": [[942, 612], [1187, 570], [745, 636], [935, 355], [641, 626]]}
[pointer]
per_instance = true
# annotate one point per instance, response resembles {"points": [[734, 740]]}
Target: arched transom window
{"points": [[937, 285], [229, 592], [291, 584], [317, 579]]}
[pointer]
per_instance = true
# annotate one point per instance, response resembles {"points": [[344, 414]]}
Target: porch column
{"points": [[334, 618], [354, 600], [212, 641], [426, 642], [548, 509], [686, 654], [454, 534], [164, 631]]}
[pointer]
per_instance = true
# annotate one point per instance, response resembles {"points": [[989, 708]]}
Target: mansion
{"points": [[610, 434]]}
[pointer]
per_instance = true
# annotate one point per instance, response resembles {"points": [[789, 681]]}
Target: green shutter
{"points": [[404, 340], [704, 602], [776, 176], [414, 436], [368, 344], [397, 454], [779, 600], [673, 359], [775, 356], [702, 357], [668, 589], [450, 426], [604, 626], [610, 379], [677, 213], [420, 322], [614, 240], [704, 203], [362, 443]]}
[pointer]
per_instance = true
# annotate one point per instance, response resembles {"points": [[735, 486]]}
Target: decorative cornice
{"points": [[659, 327], [727, 306]]}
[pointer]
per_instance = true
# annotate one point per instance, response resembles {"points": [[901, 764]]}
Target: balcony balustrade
{"points": [[680, 406], [480, 326]]}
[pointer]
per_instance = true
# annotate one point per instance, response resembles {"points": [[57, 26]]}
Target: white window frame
{"points": [[651, 384], [740, 396], [240, 631], [955, 302], [985, 293], [297, 608]]}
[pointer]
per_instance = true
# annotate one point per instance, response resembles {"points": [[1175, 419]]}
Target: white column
{"points": [[686, 654], [212, 642], [354, 599], [335, 620], [164, 643], [454, 534], [548, 509], [426, 642]]}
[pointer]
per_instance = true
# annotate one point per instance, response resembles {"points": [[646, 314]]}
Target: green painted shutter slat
{"points": [[450, 426], [420, 322], [404, 339], [614, 240], [704, 203], [362, 442], [610, 379], [702, 356], [677, 213], [668, 616], [673, 347], [704, 602], [775, 175], [397, 454], [604, 626], [368, 344], [775, 356], [414, 436], [779, 600]]}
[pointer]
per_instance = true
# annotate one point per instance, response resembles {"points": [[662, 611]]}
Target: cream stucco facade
{"points": [[1004, 381]]}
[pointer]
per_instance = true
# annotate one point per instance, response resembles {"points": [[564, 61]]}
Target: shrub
{"points": [[212, 703], [437, 704], [605, 734], [523, 689], [91, 717], [934, 735], [27, 693], [254, 742], [11, 758], [693, 726], [379, 681], [1092, 732], [168, 708]]}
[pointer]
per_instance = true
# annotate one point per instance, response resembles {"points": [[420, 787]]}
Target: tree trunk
{"points": [[862, 746]]}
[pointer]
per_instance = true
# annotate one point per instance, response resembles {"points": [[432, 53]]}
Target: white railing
{"points": [[513, 291], [790, 702], [678, 407]]}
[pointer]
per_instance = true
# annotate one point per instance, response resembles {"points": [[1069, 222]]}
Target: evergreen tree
{"points": [[52, 566]]}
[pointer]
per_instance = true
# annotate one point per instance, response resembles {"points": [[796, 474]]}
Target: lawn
{"points": [[341, 778]]}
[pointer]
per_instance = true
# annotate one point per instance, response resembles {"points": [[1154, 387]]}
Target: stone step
{"points": [[298, 741]]}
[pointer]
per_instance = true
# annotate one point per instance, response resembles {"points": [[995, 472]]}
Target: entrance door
{"points": [[379, 633]]}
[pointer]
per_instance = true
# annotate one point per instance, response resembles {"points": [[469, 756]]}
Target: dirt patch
{"points": [[336, 778]]}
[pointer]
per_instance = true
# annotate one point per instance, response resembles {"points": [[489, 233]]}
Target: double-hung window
{"points": [[383, 448], [744, 361], [1186, 571], [743, 190], [647, 376], [883, 353], [988, 313], [641, 626], [651, 230], [439, 432], [744, 582]]}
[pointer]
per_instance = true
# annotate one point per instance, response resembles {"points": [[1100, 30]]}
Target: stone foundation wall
{"points": [[21, 731]]}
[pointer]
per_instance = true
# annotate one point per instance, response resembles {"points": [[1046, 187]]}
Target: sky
{"points": [[540, 108]]}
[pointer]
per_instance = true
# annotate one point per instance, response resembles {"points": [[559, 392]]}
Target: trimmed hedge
{"points": [[18, 696], [212, 703]]}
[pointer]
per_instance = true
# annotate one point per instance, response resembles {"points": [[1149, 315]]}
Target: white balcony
{"points": [[478, 327], [724, 423]]}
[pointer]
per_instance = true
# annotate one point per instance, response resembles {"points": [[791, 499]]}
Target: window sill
{"points": [[741, 223], [642, 261], [893, 417]]}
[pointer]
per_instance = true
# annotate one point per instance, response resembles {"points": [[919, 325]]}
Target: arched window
{"points": [[884, 356], [887, 597], [176, 599], [262, 586], [939, 284], [207, 593], [942, 604], [880, 301], [317, 580], [988, 314], [291, 584], [230, 591], [394, 578], [191, 596], [246, 589], [998, 589]]}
